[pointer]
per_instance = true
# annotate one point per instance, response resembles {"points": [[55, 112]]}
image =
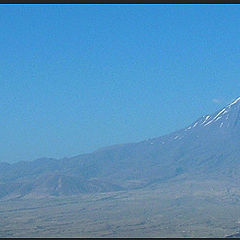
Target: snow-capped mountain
{"points": [[226, 118], [225, 121], [207, 148]]}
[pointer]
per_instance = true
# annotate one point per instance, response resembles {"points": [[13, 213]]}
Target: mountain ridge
{"points": [[208, 147]]}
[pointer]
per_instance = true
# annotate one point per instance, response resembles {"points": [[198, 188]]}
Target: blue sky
{"points": [[78, 77]]}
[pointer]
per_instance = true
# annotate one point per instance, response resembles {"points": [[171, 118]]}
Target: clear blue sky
{"points": [[78, 77]]}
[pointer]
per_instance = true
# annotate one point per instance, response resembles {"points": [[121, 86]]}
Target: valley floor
{"points": [[206, 209]]}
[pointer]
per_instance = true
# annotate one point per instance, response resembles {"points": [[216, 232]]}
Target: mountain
{"points": [[207, 149]]}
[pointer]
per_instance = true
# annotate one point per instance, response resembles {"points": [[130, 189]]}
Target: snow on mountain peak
{"points": [[235, 101], [221, 113]]}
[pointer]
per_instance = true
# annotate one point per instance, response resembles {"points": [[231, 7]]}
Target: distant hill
{"points": [[207, 148]]}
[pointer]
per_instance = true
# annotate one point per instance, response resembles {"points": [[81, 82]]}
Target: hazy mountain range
{"points": [[208, 148]]}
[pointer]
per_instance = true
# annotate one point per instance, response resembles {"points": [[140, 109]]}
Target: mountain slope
{"points": [[209, 148]]}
